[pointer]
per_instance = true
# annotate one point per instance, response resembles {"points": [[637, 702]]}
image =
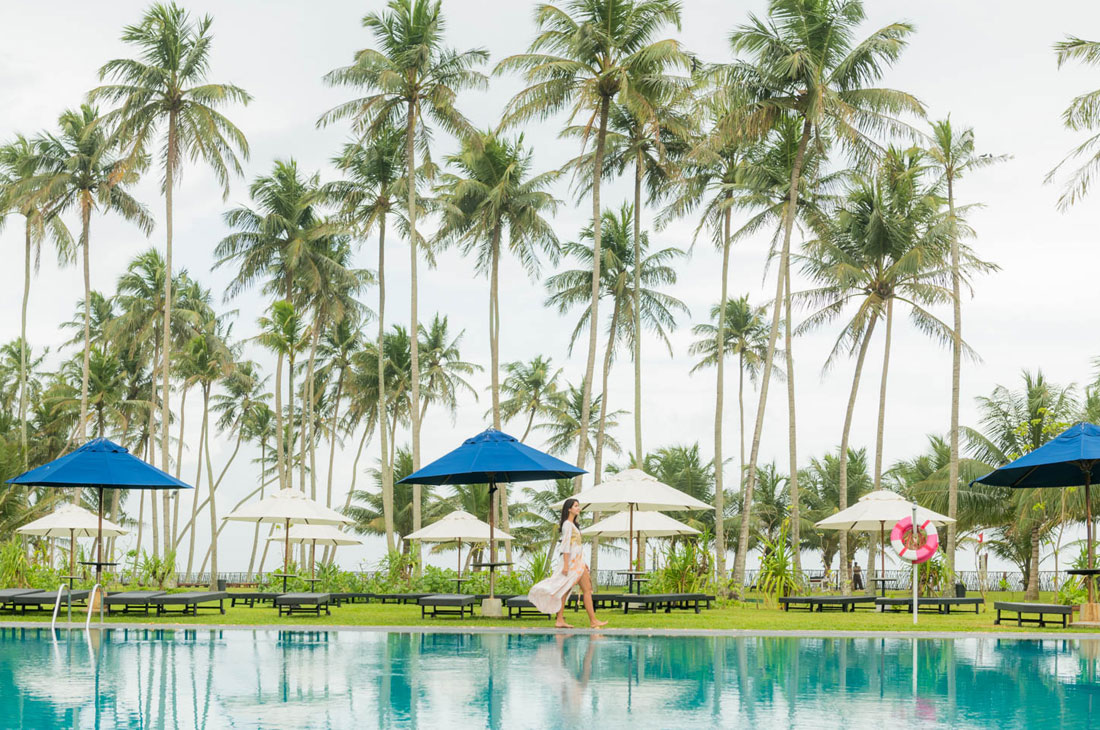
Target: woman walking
{"points": [[549, 595]]}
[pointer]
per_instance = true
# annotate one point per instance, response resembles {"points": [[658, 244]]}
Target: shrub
{"points": [[777, 576], [1072, 593]]}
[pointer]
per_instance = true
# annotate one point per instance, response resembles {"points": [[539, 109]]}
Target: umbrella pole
{"points": [[459, 573], [492, 542], [630, 539], [286, 553], [99, 542], [72, 552], [882, 554], [313, 560], [1088, 531]]}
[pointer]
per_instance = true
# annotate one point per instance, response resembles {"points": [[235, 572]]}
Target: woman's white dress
{"points": [[547, 595]]}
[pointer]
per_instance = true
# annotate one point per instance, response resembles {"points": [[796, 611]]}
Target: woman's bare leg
{"points": [[586, 588], [560, 622]]}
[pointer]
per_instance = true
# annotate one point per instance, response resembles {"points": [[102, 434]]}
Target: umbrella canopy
{"points": [[489, 458], [68, 520], [1068, 460], [324, 535], [633, 488], [99, 463], [874, 509], [288, 506], [650, 524], [102, 464], [457, 526]]}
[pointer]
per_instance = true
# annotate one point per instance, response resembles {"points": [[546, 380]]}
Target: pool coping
{"points": [[550, 631]]}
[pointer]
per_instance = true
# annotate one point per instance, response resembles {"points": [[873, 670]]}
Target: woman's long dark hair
{"points": [[568, 505]]}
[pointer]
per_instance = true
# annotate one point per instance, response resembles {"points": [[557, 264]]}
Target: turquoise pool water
{"points": [[338, 679]]}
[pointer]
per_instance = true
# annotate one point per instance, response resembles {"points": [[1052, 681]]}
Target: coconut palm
{"points": [[1083, 114], [803, 59], [746, 337], [82, 169], [166, 101], [444, 372], [952, 153], [563, 423], [366, 508], [21, 191], [821, 495], [569, 289], [411, 79], [372, 178], [587, 55], [529, 388], [285, 334]]}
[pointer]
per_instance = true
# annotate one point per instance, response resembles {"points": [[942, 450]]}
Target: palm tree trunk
{"points": [[213, 492], [279, 433], [179, 465], [601, 431], [792, 430], [256, 532], [166, 348], [719, 408], [331, 554], [881, 430], [85, 226], [1033, 574], [636, 296], [28, 250], [741, 411], [385, 465], [501, 494], [414, 326], [332, 436], [198, 482], [842, 489], [151, 443], [289, 447], [766, 375], [590, 366], [956, 376], [307, 412]]}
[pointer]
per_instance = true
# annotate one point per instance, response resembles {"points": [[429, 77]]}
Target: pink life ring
{"points": [[924, 551]]}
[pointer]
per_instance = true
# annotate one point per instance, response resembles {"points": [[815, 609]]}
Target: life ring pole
{"points": [[916, 574]]}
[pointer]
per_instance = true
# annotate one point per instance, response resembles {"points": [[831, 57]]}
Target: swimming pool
{"points": [[245, 678]]}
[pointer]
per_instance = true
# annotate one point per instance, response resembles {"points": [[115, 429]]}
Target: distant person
{"points": [[857, 577]]}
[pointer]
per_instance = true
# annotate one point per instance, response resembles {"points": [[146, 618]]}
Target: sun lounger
{"points": [[6, 594], [1064, 612], [519, 606], [131, 601], [823, 603], [338, 598], [189, 603], [404, 598], [251, 599], [447, 604], [667, 601], [939, 605], [43, 600], [292, 603], [499, 596], [599, 601]]}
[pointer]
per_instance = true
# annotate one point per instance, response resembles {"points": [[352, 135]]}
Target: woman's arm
{"points": [[566, 545]]}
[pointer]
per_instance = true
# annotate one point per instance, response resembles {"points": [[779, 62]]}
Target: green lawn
{"points": [[745, 616]]}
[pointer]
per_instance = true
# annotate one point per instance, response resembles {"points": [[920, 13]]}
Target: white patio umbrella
{"points": [[72, 522], [874, 510], [287, 507], [323, 535], [458, 526], [650, 524], [633, 490]]}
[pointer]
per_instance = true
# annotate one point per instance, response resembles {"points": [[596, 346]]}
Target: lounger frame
{"points": [[447, 604], [189, 602], [294, 603], [1065, 613]]}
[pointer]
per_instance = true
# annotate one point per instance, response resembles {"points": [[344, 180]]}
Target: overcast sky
{"points": [[994, 71]]}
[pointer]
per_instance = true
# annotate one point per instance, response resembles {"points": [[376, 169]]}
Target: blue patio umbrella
{"points": [[490, 458], [101, 464], [1071, 459]]}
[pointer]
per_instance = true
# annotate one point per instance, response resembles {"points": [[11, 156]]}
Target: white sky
{"points": [[994, 71]]}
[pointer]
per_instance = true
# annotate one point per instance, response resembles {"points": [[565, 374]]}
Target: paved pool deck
{"points": [[1052, 634]]}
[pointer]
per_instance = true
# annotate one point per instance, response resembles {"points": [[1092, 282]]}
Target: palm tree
{"points": [[529, 388], [372, 179], [283, 333], [563, 424], [586, 56], [166, 101], [20, 191], [412, 77], [657, 309], [443, 375], [804, 60], [952, 153], [366, 508], [822, 482], [1083, 114], [81, 169], [746, 337]]}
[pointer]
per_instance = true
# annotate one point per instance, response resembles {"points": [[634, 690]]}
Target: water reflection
{"points": [[206, 679]]}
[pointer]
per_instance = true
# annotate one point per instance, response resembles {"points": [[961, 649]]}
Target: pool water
{"points": [[337, 679]]}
